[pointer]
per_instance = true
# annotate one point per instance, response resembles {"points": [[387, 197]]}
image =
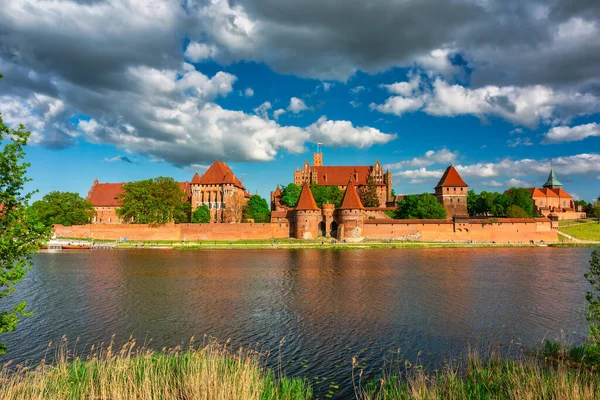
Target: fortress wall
{"points": [[484, 230], [175, 231], [501, 231]]}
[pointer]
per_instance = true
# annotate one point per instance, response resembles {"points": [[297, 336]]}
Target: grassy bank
{"points": [[210, 372], [587, 231], [495, 378]]}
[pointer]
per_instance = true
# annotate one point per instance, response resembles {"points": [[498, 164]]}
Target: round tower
{"points": [[351, 216], [307, 215]]}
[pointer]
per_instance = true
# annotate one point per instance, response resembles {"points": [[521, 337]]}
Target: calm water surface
{"points": [[327, 305]]}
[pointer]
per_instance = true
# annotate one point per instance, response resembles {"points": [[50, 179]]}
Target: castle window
{"points": [[455, 189], [541, 202], [564, 203], [447, 189], [461, 189]]}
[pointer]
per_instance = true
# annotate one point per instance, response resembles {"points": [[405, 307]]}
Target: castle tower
{"points": [[451, 192], [196, 192], [318, 159], [388, 187], [308, 215], [351, 216], [552, 182]]}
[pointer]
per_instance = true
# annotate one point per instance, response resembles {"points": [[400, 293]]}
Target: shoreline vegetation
{"points": [[214, 370], [325, 243]]}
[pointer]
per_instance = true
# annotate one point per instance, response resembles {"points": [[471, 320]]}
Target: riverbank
{"points": [[211, 371], [214, 371], [292, 244]]}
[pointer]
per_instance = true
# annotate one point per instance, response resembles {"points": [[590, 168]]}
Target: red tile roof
{"points": [[107, 194], [196, 178], [219, 173], [306, 200], [340, 175], [548, 192], [451, 178], [277, 192], [562, 193], [351, 201]]}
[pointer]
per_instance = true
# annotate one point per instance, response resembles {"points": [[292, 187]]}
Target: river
{"points": [[327, 305]]}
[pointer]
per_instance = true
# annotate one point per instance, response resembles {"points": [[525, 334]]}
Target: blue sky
{"points": [[173, 86]]}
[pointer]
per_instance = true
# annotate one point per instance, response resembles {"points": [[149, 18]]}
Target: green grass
{"points": [[571, 222], [212, 372], [583, 231]]}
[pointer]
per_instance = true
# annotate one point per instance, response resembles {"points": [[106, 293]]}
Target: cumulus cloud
{"points": [[278, 113], [560, 134], [357, 89], [297, 105], [249, 92], [344, 133], [197, 52], [493, 183], [519, 142], [431, 157], [526, 106], [513, 182], [263, 110]]}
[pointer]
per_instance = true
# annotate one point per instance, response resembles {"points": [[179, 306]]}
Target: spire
{"points": [[351, 201], [306, 201], [196, 178], [552, 181], [451, 177]]}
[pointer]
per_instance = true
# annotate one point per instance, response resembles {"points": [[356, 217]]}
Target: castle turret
{"points": [[308, 215], [552, 182], [451, 192], [351, 216]]}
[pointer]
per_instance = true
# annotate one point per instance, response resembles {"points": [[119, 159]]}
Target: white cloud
{"points": [[357, 89], [297, 105], [344, 133], [404, 88], [355, 104], [327, 86], [560, 134], [443, 156], [249, 92], [519, 142], [263, 110], [279, 112], [421, 173], [197, 52], [526, 106], [438, 62], [513, 182], [493, 183]]}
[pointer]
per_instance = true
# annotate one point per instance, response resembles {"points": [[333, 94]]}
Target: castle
{"points": [[552, 199], [340, 175], [218, 188]]}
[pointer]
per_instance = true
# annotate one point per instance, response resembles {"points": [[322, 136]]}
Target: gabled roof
{"points": [[552, 181], [306, 200], [219, 173], [351, 201], [560, 192], [535, 192], [277, 192], [339, 175], [548, 192], [451, 177], [196, 178], [107, 194]]}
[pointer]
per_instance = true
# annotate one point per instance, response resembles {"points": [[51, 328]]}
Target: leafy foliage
{"points": [[370, 198], [153, 201], [593, 297], [497, 204], [522, 198], [290, 195], [420, 206], [65, 208], [327, 194], [21, 235], [514, 211], [201, 215], [257, 209], [595, 209]]}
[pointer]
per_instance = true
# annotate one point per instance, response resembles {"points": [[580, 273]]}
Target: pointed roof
{"points": [[219, 173], [306, 200], [277, 192], [552, 181], [451, 177], [196, 178], [351, 201]]}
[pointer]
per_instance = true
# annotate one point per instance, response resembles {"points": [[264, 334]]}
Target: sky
{"points": [[123, 90]]}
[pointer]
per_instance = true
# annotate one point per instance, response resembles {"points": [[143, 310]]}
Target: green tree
{"points": [[514, 211], [65, 208], [595, 209], [153, 201], [472, 198], [593, 297], [370, 198], [522, 198], [257, 209], [327, 194], [501, 203], [423, 206], [20, 234], [290, 195], [201, 215]]}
